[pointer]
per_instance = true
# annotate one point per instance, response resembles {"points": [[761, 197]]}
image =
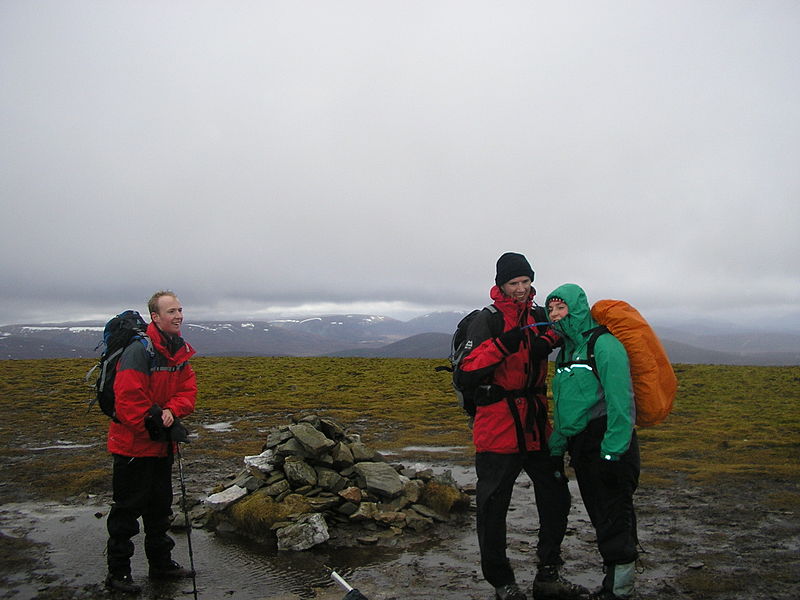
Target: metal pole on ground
{"points": [[352, 593]]}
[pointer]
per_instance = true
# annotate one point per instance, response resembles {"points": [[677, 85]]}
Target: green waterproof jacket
{"points": [[578, 395]]}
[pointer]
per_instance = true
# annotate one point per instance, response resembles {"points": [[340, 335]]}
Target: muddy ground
{"points": [[721, 541]]}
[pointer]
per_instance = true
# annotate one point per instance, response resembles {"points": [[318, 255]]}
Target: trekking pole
{"points": [[352, 593], [188, 522]]}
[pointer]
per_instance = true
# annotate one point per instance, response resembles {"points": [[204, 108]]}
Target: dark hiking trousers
{"points": [[496, 476], [142, 488], [610, 507]]}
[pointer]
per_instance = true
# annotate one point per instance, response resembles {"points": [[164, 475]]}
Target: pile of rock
{"points": [[316, 483]]}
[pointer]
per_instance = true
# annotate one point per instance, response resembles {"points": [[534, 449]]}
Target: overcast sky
{"points": [[267, 158]]}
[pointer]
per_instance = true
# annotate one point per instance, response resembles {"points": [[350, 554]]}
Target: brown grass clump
{"points": [[444, 498], [256, 513]]}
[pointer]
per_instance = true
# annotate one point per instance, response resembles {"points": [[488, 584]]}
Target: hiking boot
{"points": [[509, 592], [122, 583], [549, 585], [170, 570]]}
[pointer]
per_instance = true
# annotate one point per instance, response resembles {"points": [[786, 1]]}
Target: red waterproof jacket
{"points": [[139, 384], [518, 377]]}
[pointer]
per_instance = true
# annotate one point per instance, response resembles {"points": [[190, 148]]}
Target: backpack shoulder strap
{"points": [[496, 320], [593, 334]]}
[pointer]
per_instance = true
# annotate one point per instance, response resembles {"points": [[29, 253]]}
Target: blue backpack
{"points": [[120, 332]]}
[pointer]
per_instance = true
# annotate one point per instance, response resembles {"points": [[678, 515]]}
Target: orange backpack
{"points": [[654, 381]]}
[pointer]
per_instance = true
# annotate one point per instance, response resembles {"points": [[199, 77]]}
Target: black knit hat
{"points": [[512, 265]]}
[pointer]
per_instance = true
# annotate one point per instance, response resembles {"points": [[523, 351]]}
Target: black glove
{"points": [[154, 424], [177, 432], [540, 348], [511, 339], [610, 471]]}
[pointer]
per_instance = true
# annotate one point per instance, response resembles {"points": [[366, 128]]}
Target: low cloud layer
{"points": [[265, 158]]}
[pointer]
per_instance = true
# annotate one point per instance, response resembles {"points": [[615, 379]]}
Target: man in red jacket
{"points": [[154, 386], [507, 368]]}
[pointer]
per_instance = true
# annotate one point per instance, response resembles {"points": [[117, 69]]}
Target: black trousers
{"points": [[496, 476], [142, 487], [610, 508]]}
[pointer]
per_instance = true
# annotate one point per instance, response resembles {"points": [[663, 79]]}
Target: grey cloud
{"points": [[265, 154]]}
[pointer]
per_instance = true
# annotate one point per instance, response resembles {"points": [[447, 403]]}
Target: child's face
{"points": [[557, 310]]}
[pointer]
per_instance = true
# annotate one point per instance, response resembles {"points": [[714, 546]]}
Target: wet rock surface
{"points": [[731, 540]]}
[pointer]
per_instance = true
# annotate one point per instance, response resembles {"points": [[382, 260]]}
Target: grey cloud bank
{"points": [[265, 158]]}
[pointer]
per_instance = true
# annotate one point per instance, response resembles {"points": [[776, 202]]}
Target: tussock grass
{"points": [[728, 422]]}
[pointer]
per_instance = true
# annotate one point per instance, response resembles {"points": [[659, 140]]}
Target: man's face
{"points": [[169, 316], [557, 310], [519, 288]]}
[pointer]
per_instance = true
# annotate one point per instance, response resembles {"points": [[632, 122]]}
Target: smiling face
{"points": [[518, 289], [169, 316], [557, 309]]}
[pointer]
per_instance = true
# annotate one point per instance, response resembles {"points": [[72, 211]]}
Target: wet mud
{"points": [[701, 543]]}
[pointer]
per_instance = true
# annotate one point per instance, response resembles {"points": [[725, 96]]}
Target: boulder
{"points": [[352, 494], [264, 462], [277, 436], [298, 472], [328, 479], [291, 447], [342, 456], [379, 478], [306, 533], [391, 518], [361, 452], [416, 521], [366, 512], [313, 440], [331, 429], [223, 499], [277, 488]]}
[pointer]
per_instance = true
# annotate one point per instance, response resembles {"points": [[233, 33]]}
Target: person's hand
{"points": [[511, 339], [167, 417], [610, 472], [556, 467], [552, 337], [153, 422]]}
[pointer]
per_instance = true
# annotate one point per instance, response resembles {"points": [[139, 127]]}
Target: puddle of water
{"points": [[220, 427], [62, 445], [227, 566], [433, 449]]}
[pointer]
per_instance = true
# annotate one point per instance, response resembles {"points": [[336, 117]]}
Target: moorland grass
{"points": [[728, 422]]}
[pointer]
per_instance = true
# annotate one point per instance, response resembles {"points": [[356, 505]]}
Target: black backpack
{"points": [[119, 333], [459, 349]]}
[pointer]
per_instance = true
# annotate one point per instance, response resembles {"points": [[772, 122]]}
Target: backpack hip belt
{"points": [[490, 394]]}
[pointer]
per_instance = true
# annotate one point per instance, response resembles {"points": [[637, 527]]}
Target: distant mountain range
{"points": [[375, 336]]}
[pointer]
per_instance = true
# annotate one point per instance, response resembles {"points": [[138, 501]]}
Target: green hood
{"points": [[579, 318]]}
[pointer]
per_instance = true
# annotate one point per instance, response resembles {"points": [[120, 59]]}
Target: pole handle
{"points": [[338, 579]]}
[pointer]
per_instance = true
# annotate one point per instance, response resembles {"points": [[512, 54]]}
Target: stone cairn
{"points": [[315, 483]]}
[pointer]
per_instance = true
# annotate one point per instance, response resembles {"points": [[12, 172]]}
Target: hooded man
{"points": [[506, 369], [594, 416], [151, 392]]}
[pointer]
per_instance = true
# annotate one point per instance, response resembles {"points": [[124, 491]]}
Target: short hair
{"points": [[152, 304]]}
